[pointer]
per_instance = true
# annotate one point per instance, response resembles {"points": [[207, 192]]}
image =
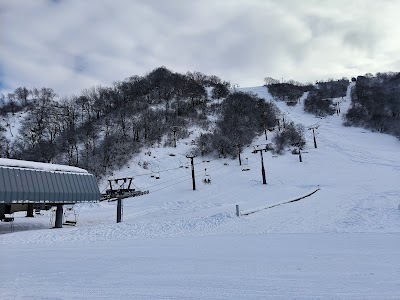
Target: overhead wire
{"points": [[176, 178], [198, 173], [189, 178], [161, 171]]}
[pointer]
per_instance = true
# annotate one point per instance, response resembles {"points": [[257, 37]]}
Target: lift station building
{"points": [[26, 184]]}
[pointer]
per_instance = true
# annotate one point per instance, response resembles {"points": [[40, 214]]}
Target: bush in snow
{"points": [[242, 117], [315, 104], [219, 91], [291, 135], [290, 92], [333, 88]]}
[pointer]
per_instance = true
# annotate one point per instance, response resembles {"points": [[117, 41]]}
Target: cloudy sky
{"points": [[69, 45]]}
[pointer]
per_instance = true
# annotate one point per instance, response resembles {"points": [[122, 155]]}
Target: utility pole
{"points": [[313, 128], [174, 130], [301, 160], [193, 178], [262, 162], [240, 160]]}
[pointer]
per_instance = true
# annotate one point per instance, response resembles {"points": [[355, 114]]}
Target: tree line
{"points": [[376, 103], [102, 127]]}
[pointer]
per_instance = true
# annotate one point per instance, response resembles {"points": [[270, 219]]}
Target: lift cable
{"points": [[161, 171], [197, 173]]}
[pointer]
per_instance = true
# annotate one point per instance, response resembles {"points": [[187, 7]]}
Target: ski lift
{"points": [[70, 216], [37, 210], [246, 166], [207, 177]]}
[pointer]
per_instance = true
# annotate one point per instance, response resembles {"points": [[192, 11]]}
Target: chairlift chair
{"points": [[70, 216], [207, 177], [246, 166]]}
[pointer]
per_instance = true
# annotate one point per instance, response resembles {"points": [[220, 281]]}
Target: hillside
{"points": [[339, 243]]}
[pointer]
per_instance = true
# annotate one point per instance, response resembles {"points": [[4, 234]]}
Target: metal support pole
{"points": [[59, 216], [240, 160], [193, 178], [263, 169], [315, 141], [29, 212], [237, 211], [262, 163], [119, 210]]}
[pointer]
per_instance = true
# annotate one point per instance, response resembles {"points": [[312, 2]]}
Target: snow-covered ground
{"points": [[175, 243], [12, 123]]}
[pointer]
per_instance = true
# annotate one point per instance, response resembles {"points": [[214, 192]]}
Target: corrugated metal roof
{"points": [[19, 185]]}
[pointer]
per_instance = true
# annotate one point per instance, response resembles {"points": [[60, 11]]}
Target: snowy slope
{"points": [[177, 243], [11, 123]]}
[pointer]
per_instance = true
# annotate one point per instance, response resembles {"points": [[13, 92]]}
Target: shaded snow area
{"points": [[342, 242]]}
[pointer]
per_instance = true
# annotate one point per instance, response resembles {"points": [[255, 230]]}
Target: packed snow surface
{"points": [[341, 242], [15, 163]]}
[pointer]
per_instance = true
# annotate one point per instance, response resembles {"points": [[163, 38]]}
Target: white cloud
{"points": [[70, 45]]}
